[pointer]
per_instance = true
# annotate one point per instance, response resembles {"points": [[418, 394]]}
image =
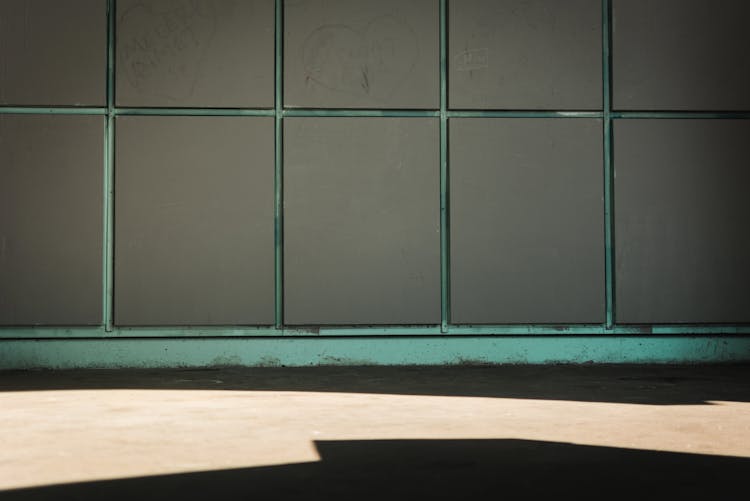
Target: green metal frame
{"points": [[609, 224], [523, 330], [50, 110], [445, 284], [610, 327], [278, 179], [109, 175]]}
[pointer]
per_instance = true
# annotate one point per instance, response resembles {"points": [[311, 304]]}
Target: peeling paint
{"points": [[359, 351], [226, 361], [352, 362]]}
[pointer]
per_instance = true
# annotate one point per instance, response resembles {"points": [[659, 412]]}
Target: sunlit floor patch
{"points": [[76, 435]]}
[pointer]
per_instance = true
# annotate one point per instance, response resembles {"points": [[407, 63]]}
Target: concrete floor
{"points": [[366, 433]]}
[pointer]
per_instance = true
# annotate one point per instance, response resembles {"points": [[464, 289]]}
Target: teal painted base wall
{"points": [[259, 352]]}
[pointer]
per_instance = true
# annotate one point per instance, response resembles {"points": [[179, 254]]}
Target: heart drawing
{"points": [[373, 62]]}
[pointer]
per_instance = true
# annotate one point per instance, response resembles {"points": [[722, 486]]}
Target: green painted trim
{"points": [[681, 114], [299, 112], [597, 329], [689, 329], [111, 26], [355, 331], [137, 332], [210, 332], [165, 353], [27, 110], [109, 161], [522, 114], [609, 223], [43, 332], [518, 330], [445, 304], [278, 177], [108, 221], [198, 112]]}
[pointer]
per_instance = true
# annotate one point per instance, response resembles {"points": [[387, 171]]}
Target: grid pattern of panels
{"points": [[546, 109]]}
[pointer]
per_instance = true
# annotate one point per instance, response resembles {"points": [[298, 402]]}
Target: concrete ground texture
{"points": [[515, 432]]}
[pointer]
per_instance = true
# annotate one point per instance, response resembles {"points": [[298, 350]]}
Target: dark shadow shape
{"points": [[640, 384], [438, 469]]}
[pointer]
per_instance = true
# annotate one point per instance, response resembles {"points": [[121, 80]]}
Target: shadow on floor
{"points": [[640, 384], [438, 469]]}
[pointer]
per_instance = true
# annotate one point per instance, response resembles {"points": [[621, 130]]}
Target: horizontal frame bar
{"points": [[358, 113], [681, 114], [522, 114], [43, 332], [290, 352], [24, 110], [212, 112], [304, 112]]}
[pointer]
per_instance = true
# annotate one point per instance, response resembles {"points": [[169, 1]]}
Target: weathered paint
{"points": [[152, 353], [368, 331]]}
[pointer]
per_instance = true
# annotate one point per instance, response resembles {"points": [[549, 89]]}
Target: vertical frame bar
{"points": [[278, 166], [444, 237], [109, 147], [608, 163]]}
